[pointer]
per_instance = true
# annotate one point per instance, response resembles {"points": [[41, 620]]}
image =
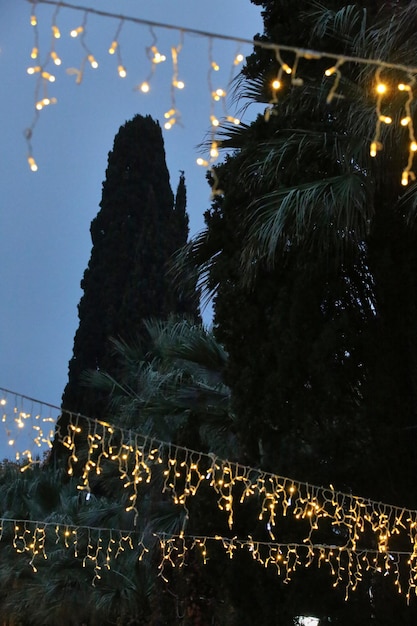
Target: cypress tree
{"points": [[138, 228]]}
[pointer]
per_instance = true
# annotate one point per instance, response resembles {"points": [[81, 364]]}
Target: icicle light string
{"points": [[101, 547], [172, 115], [137, 458]]}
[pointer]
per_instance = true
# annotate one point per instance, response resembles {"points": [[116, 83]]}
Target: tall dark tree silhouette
{"points": [[138, 228]]}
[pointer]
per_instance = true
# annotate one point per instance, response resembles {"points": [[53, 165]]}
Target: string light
{"points": [[103, 546], [115, 49], [382, 88], [155, 58]]}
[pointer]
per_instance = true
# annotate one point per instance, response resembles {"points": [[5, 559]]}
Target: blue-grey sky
{"points": [[45, 216]]}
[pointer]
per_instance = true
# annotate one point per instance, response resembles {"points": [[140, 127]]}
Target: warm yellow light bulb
{"points": [[122, 71], [201, 161], [381, 88], [276, 84], [413, 146], [179, 84], [221, 93], [238, 59], [55, 58], [48, 76], [286, 68], [215, 66], [214, 120], [77, 31], [405, 121], [93, 62], [34, 70], [386, 119], [34, 53], [145, 87], [330, 71], [3, 402], [158, 58], [113, 47], [56, 32], [33, 20], [234, 120], [404, 179], [403, 87], [373, 149], [168, 125]]}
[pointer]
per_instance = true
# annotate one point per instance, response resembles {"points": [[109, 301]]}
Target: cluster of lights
{"points": [[381, 90], [218, 94], [137, 458], [101, 547]]}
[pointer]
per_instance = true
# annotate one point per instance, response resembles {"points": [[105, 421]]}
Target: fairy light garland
{"points": [[172, 114], [137, 458], [99, 548]]}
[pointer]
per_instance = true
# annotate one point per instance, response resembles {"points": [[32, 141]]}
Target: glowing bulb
{"points": [[55, 58], [381, 88], [11, 442], [76, 31], [413, 146], [220, 92], [179, 84], [122, 71], [215, 66], [145, 87], [34, 70], [168, 125], [214, 120], [158, 58], [403, 87], [286, 68], [56, 32], [276, 84], [113, 47], [3, 402], [34, 53], [214, 151], [33, 20], [238, 59], [330, 71], [48, 76], [372, 150], [234, 120], [386, 119], [405, 121], [404, 179], [201, 161], [93, 62]]}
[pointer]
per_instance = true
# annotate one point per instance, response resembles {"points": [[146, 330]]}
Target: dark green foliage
{"points": [[311, 252]]}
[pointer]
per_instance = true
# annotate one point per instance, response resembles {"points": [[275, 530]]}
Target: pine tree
{"points": [[138, 228]]}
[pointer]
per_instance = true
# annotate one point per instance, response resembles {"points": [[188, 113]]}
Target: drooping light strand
{"points": [[173, 115], [89, 58], [407, 122], [155, 58], [115, 49], [337, 74], [381, 89]]}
